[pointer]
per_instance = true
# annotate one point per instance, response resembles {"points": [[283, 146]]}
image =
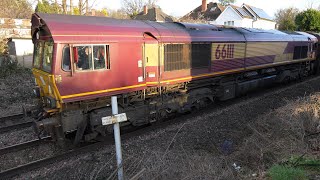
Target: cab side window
{"points": [[47, 56], [101, 57], [84, 58], [92, 57], [38, 50], [66, 59]]}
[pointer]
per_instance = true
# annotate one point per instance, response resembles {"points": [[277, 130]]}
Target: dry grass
{"points": [[273, 138], [16, 85], [281, 134]]}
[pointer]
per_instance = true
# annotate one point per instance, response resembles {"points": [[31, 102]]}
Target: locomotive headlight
{"points": [[48, 101], [51, 103], [38, 35], [36, 91]]}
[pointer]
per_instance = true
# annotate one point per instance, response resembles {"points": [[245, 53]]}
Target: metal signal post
{"points": [[115, 119]]}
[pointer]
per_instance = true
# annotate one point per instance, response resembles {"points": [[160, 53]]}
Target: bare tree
{"points": [[285, 18], [87, 7], [64, 6], [133, 7], [15, 9], [71, 7], [84, 6], [117, 14], [152, 3], [80, 6], [309, 4]]}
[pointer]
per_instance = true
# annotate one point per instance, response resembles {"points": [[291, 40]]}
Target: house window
{"points": [[229, 23], [213, 9]]}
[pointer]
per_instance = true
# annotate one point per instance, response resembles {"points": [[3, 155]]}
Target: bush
{"points": [[9, 66], [3, 46], [16, 84]]}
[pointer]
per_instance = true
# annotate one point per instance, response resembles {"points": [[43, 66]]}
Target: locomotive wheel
{"points": [[163, 114], [204, 102], [201, 103]]}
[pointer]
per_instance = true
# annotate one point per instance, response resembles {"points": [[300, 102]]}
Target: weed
{"points": [[11, 68], [305, 163], [279, 172]]}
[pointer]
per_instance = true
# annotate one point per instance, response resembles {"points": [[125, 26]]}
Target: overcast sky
{"points": [[181, 7]]}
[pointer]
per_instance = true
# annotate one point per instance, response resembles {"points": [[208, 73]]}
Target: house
{"points": [[260, 18], [18, 32], [245, 16], [207, 12], [153, 14]]}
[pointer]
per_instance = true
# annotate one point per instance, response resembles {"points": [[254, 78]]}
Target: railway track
{"points": [[21, 146], [14, 122], [9, 173], [16, 126], [11, 118]]}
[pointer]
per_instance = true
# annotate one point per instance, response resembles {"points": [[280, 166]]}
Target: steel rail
{"points": [[11, 117], [24, 145], [9, 173], [16, 126]]}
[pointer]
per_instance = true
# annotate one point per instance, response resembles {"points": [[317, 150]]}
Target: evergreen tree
{"points": [[308, 20], [226, 2], [45, 7]]}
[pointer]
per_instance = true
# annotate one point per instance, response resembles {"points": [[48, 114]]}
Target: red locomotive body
{"points": [[155, 69]]}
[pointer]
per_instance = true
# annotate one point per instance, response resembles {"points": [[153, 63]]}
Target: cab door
{"points": [[151, 60]]}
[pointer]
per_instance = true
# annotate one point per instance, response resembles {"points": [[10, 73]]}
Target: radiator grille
{"points": [[186, 56], [300, 52]]}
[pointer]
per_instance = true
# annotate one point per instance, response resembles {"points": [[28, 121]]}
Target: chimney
{"points": [[145, 10], [204, 6]]}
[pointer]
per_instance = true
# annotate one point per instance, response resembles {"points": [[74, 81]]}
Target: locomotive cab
{"points": [[46, 88], [43, 68]]}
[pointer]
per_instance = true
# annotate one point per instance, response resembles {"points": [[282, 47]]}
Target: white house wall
{"points": [[23, 46], [246, 22], [264, 24], [229, 15]]}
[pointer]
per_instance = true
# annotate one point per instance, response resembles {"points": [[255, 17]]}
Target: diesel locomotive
{"points": [[156, 69]]}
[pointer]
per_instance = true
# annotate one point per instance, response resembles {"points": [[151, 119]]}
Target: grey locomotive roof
{"points": [[64, 28]]}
